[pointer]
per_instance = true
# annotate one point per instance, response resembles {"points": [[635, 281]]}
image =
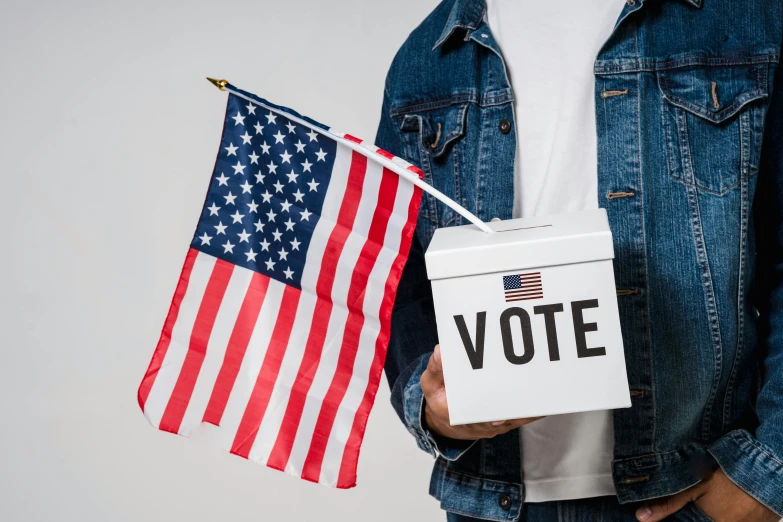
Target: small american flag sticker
{"points": [[523, 287]]}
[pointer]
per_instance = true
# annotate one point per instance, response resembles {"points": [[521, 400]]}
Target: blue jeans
{"points": [[602, 509]]}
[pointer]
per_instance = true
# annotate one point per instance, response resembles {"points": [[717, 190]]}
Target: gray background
{"points": [[109, 133]]}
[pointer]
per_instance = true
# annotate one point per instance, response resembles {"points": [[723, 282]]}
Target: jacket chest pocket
{"points": [[432, 141], [713, 123]]}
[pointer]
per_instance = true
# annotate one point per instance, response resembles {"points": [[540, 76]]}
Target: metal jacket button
{"points": [[505, 502], [504, 126]]}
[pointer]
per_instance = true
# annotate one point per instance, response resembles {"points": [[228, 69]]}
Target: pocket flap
{"points": [[714, 93], [438, 127]]}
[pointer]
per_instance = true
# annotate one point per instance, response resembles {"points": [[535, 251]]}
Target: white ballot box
{"points": [[527, 318]]}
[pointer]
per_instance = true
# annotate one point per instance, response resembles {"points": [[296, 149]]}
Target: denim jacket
{"points": [[689, 112]]}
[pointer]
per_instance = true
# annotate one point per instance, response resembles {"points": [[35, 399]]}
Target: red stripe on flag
{"points": [[281, 451], [417, 171], [540, 296], [352, 138], [235, 350], [534, 289], [267, 376], [353, 327], [165, 336], [347, 477], [385, 154], [199, 338]]}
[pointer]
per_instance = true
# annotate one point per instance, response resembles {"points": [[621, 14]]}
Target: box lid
{"points": [[517, 244]]}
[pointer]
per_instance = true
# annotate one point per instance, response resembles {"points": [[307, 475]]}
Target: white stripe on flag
{"points": [[216, 348], [170, 368], [270, 424], [376, 286], [334, 336], [251, 365]]}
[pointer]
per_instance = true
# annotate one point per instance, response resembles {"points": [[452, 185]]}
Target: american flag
{"points": [[522, 287], [278, 329]]}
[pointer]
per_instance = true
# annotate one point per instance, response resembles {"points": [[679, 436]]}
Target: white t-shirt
{"points": [[549, 49]]}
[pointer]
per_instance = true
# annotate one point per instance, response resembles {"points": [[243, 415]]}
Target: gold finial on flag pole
{"points": [[220, 84]]}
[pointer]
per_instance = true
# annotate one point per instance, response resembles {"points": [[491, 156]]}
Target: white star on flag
{"points": [[222, 180]]}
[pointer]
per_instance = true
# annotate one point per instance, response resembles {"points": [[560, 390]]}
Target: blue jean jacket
{"points": [[691, 178]]}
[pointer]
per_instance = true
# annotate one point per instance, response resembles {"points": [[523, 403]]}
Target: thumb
{"points": [[435, 366], [660, 508]]}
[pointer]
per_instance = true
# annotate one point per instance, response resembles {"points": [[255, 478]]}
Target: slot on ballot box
{"points": [[527, 318]]}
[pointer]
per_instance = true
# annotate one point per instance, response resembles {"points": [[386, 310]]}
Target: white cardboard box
{"points": [[527, 318]]}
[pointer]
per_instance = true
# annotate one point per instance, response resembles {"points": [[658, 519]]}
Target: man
{"points": [[668, 114]]}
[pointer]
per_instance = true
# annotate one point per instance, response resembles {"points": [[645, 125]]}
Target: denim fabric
{"points": [[605, 509], [689, 114]]}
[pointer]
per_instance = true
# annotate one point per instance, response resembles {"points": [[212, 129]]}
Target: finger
{"points": [[435, 365], [432, 378], [658, 509]]}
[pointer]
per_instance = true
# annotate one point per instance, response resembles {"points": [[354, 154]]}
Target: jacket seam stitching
{"points": [[686, 61], [762, 450], [503, 483], [433, 105], [644, 237], [729, 394], [706, 273], [403, 110]]}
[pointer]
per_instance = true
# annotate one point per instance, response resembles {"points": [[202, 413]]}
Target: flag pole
{"points": [[440, 196]]}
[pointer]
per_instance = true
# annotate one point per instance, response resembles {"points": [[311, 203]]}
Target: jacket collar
{"points": [[468, 14]]}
